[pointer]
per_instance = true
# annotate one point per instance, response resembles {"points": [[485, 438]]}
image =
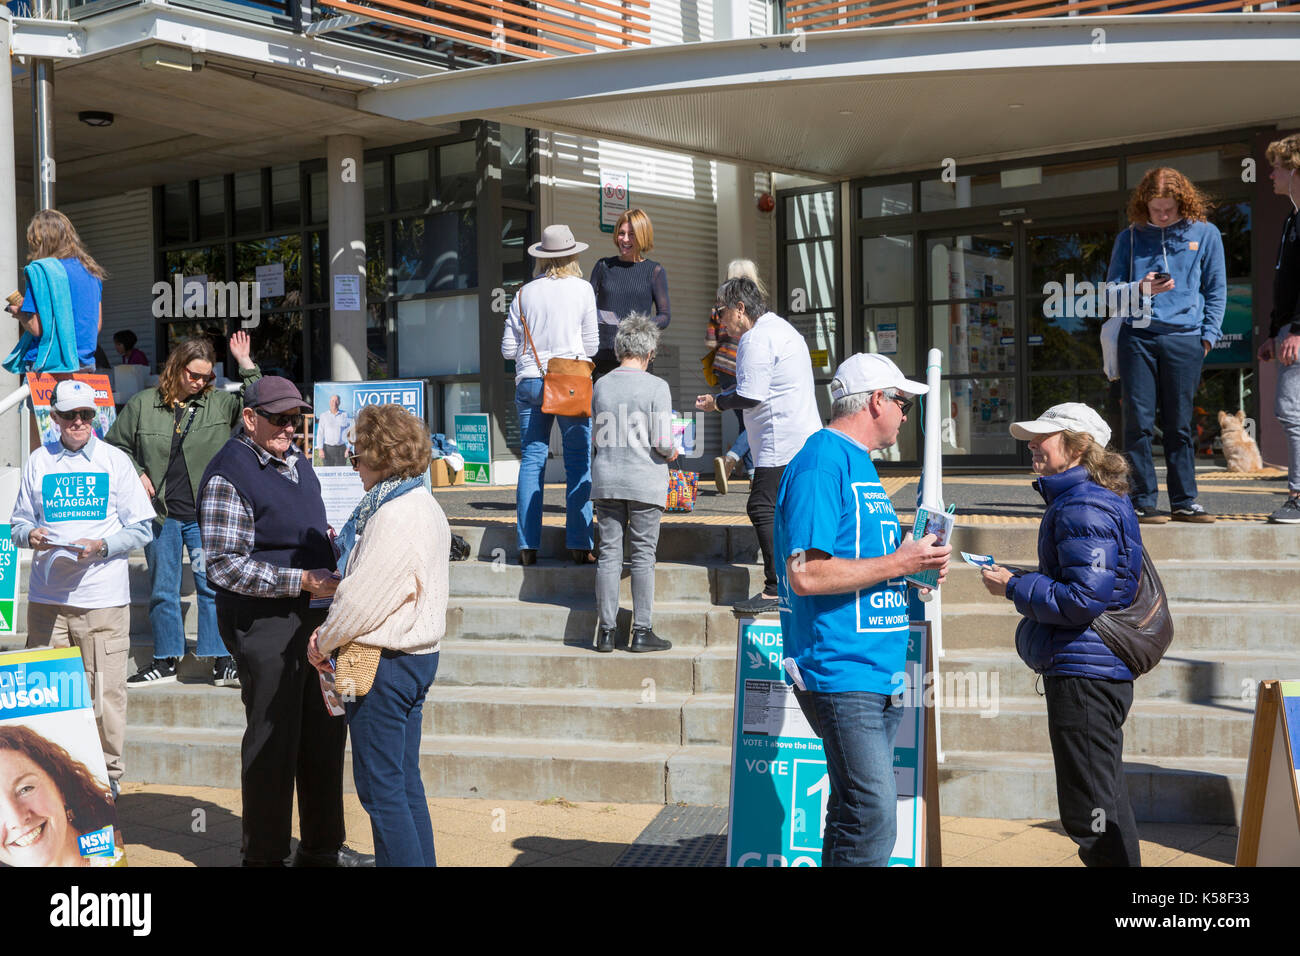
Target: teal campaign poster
{"points": [[334, 411], [474, 442], [8, 583], [779, 785], [52, 762]]}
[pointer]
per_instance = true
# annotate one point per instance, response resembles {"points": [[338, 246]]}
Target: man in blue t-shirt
{"points": [[840, 565]]}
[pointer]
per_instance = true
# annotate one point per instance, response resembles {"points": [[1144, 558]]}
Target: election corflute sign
{"points": [[42, 387], [779, 785], [1270, 814], [56, 807]]}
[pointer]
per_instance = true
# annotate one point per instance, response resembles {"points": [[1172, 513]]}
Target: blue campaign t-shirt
{"points": [[831, 500], [85, 290]]}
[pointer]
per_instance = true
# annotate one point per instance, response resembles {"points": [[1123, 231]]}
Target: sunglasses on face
{"points": [[80, 415], [280, 421], [353, 460], [201, 376], [903, 403]]}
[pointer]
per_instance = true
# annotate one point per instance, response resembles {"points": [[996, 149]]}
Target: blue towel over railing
{"points": [[47, 281]]}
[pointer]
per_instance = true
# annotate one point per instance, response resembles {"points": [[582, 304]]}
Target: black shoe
{"points": [[756, 605], [582, 556], [161, 671], [605, 640], [1151, 515], [527, 556], [1193, 513], [346, 856], [225, 673], [645, 640]]}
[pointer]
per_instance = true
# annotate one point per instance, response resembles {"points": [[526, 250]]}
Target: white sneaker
{"points": [[723, 466]]}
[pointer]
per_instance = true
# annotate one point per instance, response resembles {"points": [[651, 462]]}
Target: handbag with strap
{"points": [[355, 666], [566, 383], [1140, 634]]}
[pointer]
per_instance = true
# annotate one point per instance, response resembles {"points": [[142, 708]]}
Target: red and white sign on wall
{"points": [[614, 199]]}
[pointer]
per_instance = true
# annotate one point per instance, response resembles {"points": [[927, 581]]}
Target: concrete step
{"points": [[574, 621], [677, 542], [1240, 581], [471, 663], [715, 584], [1198, 625], [1224, 541], [1163, 789], [1154, 728], [503, 769], [1227, 677]]}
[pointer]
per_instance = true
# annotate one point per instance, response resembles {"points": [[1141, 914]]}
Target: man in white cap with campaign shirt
{"points": [[841, 559], [82, 509]]}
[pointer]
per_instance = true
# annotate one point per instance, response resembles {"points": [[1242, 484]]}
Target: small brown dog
{"points": [[1238, 447]]}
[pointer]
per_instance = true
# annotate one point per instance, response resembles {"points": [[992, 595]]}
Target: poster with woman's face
{"points": [[56, 806]]}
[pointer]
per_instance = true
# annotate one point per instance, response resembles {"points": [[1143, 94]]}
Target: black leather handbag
{"points": [[1141, 633]]}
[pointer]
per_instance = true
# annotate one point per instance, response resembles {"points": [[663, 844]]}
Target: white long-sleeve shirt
{"points": [[561, 316]]}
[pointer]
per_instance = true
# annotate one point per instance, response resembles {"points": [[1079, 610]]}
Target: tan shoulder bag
{"points": [[566, 383]]}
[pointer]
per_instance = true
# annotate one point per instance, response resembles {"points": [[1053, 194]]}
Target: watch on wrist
{"points": [[103, 549]]}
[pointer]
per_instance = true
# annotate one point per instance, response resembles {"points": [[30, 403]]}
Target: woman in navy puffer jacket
{"points": [[1089, 561]]}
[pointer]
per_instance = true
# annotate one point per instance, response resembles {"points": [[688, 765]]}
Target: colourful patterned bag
{"points": [[682, 490]]}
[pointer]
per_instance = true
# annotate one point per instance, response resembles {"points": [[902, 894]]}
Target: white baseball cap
{"points": [[868, 371], [1074, 416], [70, 395]]}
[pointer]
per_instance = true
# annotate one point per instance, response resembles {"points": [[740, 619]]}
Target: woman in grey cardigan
{"points": [[632, 438]]}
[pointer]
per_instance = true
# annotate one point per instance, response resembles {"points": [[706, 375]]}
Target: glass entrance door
{"points": [[1016, 310]]}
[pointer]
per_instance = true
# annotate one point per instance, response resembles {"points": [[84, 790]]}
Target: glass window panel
{"points": [[209, 262], [1020, 184], [1233, 222], [1061, 338], [176, 213], [376, 191], [981, 410], [319, 259], [516, 264], [810, 276], [810, 214], [975, 336], [285, 251], [1235, 346], [376, 262], [248, 201], [821, 331], [514, 164], [968, 267], [214, 329], [438, 336], [892, 200], [887, 269], [286, 198], [318, 200], [435, 253], [376, 340], [456, 172], [212, 207], [278, 345], [892, 332], [321, 346], [1197, 163], [458, 398], [411, 180], [1059, 253]]}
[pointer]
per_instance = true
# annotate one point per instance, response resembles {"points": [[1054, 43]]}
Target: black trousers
{"points": [[761, 507], [1085, 721], [290, 737]]}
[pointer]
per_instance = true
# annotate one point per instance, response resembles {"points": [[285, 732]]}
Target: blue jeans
{"points": [[739, 448], [535, 438], [164, 556], [857, 731], [1162, 369], [385, 730]]}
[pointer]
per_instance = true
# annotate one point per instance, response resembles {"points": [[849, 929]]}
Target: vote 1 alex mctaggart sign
{"points": [[54, 791], [334, 412], [779, 784]]}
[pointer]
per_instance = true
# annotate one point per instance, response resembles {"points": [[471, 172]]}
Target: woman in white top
{"points": [[560, 310], [393, 597]]}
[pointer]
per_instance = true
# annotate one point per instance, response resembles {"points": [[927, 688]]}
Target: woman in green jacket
{"points": [[170, 433]]}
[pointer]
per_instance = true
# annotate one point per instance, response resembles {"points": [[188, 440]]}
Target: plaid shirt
{"points": [[226, 520]]}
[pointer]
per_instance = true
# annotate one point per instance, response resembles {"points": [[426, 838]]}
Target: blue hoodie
{"points": [[1191, 252]]}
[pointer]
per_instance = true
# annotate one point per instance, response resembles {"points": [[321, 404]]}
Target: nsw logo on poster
{"points": [[96, 843], [75, 496]]}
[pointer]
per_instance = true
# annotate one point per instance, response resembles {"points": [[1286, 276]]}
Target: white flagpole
{"points": [[930, 494]]}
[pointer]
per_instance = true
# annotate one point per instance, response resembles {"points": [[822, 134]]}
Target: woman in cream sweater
{"points": [[393, 596]]}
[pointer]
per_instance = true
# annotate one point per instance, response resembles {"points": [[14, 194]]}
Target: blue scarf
{"points": [[47, 281], [382, 492]]}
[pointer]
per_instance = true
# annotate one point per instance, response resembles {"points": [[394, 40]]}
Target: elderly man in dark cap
{"points": [[268, 553]]}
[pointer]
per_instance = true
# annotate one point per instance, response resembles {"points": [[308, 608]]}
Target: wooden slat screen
{"points": [[527, 30], [815, 15]]}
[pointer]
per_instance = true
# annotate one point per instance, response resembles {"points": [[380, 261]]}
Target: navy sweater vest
{"points": [[289, 523]]}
